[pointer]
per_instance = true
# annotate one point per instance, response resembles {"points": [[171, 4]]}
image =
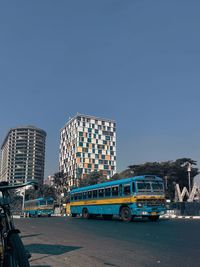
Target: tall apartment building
{"points": [[23, 155], [87, 144]]}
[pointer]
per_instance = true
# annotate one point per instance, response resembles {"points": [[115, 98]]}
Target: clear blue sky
{"points": [[137, 62]]}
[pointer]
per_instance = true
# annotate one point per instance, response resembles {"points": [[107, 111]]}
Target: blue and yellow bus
{"points": [[141, 196], [39, 207]]}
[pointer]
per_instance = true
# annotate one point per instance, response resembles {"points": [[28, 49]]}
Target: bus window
{"points": [[101, 192], [80, 196], [133, 187], [127, 189], [42, 202], [94, 193], [72, 197], [84, 195], [89, 194], [107, 191], [50, 202], [115, 190], [75, 196]]}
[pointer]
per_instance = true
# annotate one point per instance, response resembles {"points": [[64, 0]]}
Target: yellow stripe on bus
{"points": [[39, 208], [113, 200]]}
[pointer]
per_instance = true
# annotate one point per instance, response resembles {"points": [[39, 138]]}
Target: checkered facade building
{"points": [[87, 144]]}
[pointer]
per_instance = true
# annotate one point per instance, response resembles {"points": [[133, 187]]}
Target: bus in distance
{"points": [[140, 196], [39, 207]]}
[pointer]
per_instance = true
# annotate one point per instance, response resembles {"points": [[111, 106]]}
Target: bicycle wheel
{"points": [[17, 256]]}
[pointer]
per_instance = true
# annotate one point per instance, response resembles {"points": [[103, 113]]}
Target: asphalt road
{"points": [[75, 242]]}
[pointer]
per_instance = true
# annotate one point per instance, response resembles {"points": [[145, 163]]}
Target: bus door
{"points": [[127, 192]]}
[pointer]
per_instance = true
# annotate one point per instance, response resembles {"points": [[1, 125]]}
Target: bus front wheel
{"points": [[125, 214]]}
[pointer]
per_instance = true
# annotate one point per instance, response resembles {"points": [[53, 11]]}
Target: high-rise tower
{"points": [[23, 155], [87, 144]]}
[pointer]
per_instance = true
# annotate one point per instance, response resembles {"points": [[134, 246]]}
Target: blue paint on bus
{"points": [[39, 207], [130, 197]]}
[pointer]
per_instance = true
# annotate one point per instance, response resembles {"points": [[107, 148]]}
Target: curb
{"points": [[180, 217]]}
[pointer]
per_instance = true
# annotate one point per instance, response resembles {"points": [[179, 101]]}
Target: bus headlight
{"points": [[139, 205]]}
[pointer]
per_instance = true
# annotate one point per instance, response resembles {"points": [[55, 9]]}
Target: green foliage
{"points": [[43, 191], [93, 178], [61, 188], [171, 171], [16, 202]]}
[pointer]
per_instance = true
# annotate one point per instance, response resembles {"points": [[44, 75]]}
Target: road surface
{"points": [[75, 242]]}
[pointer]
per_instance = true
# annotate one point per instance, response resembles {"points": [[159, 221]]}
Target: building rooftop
{"points": [[86, 116], [26, 127]]}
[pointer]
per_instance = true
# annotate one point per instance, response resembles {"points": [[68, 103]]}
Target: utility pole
{"points": [[189, 167], [24, 189]]}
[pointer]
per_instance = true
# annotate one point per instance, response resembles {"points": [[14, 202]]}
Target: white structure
{"points": [[87, 144], [190, 196], [23, 155]]}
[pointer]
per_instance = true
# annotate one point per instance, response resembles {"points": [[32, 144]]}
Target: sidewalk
{"points": [[173, 216]]}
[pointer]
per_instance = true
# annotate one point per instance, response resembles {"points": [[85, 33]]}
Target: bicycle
{"points": [[12, 251]]}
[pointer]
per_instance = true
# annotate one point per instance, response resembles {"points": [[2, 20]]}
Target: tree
{"points": [[61, 187], [31, 194], [47, 191], [171, 171], [43, 191], [16, 202], [93, 178]]}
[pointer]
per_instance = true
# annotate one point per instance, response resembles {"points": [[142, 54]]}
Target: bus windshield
{"points": [[50, 202], [43, 202], [157, 186], [145, 186]]}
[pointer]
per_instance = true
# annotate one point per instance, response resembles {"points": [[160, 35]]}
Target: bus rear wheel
{"points": [[125, 214], [85, 214]]}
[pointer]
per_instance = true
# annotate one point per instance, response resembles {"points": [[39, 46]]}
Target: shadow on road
{"points": [[25, 236], [50, 249]]}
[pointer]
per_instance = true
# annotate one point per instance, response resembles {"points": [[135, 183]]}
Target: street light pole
{"points": [[166, 182], [189, 167], [24, 189]]}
